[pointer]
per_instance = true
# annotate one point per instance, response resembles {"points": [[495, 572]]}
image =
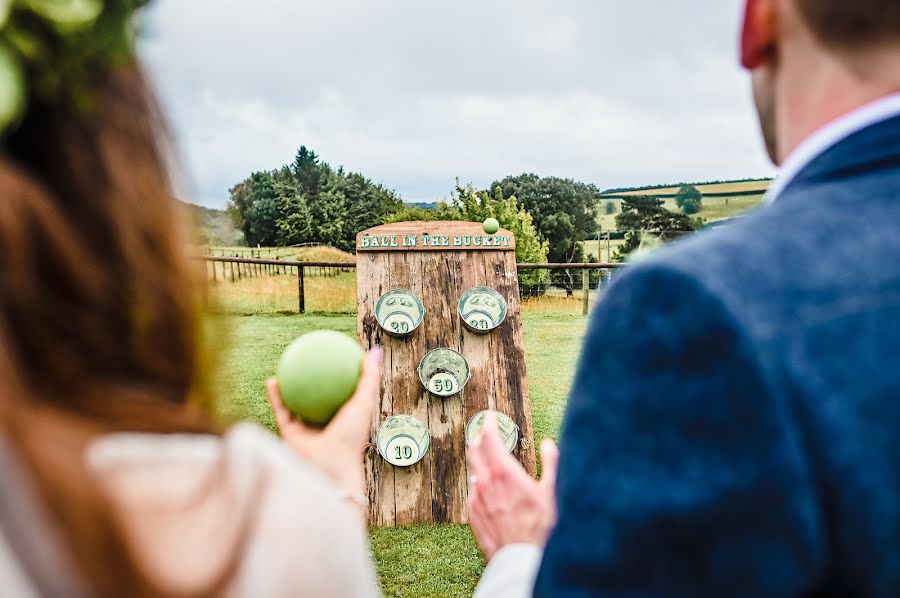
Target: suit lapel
{"points": [[875, 148]]}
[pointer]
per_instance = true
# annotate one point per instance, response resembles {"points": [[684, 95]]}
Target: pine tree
{"points": [[308, 173]]}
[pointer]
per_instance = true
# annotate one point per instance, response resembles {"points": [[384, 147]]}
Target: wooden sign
{"points": [[434, 236], [439, 272]]}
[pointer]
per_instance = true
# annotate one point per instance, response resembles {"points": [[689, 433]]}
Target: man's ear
{"points": [[758, 33]]}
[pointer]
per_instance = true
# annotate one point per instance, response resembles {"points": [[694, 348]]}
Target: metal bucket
{"points": [[399, 312], [509, 431], [482, 309], [402, 440], [444, 372]]}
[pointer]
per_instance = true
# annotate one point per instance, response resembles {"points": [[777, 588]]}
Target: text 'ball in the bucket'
{"points": [[491, 226], [318, 373]]}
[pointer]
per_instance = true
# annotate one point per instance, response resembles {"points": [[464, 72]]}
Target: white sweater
{"points": [[193, 503]]}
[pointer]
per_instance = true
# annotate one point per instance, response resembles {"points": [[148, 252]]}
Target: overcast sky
{"points": [[414, 93]]}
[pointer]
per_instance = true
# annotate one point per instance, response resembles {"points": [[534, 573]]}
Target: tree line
{"points": [[309, 201]]}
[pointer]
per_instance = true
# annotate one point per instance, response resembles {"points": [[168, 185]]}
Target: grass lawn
{"points": [[422, 561]]}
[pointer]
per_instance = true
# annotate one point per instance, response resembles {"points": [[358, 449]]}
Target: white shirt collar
{"points": [[829, 136]]}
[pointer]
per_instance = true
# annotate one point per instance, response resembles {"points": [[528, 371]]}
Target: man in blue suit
{"points": [[734, 428]]}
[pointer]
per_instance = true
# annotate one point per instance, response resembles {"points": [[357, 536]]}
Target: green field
{"points": [[726, 187], [422, 561], [714, 208]]}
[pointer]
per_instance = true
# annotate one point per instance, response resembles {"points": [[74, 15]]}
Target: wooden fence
{"points": [[237, 268]]}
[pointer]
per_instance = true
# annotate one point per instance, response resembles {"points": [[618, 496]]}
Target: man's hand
{"points": [[338, 449], [505, 505]]}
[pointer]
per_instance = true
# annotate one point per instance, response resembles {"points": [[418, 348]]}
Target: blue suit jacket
{"points": [[734, 428]]}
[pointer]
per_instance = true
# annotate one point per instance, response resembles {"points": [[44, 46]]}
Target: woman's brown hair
{"points": [[98, 308]]}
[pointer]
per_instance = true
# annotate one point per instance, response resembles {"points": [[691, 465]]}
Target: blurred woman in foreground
{"points": [[114, 480]]}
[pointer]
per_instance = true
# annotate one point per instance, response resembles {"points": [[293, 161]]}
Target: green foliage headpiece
{"points": [[49, 49]]}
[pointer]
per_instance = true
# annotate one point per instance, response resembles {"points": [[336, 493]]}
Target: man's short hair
{"points": [[852, 24]]}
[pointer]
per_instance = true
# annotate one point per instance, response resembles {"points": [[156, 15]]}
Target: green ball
{"points": [[318, 373], [491, 226]]}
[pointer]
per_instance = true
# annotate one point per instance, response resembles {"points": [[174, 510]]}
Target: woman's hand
{"points": [[338, 448], [506, 506]]}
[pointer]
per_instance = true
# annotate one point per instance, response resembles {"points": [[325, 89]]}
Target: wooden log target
{"points": [[439, 262]]}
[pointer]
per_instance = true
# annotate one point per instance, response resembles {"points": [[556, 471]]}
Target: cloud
{"points": [[415, 94]]}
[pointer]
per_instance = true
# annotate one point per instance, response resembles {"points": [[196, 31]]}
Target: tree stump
{"points": [[439, 261]]}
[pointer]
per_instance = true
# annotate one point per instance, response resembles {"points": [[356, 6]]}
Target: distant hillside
{"points": [[719, 189], [721, 199], [213, 227], [424, 205], [676, 186]]}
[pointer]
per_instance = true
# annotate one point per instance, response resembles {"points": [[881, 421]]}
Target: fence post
{"points": [[300, 288], [586, 287], [204, 287]]}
